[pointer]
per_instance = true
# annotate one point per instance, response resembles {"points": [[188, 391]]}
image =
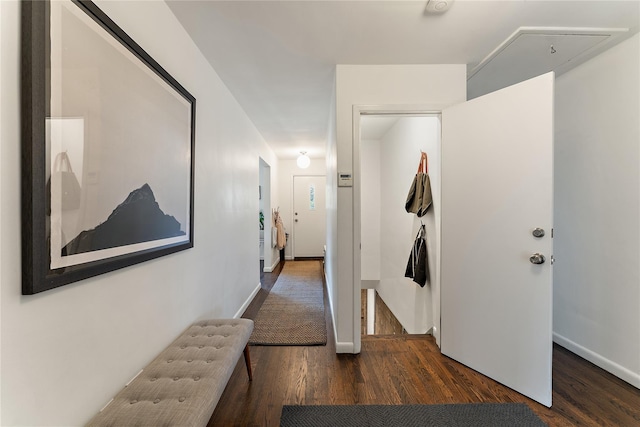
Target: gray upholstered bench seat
{"points": [[182, 386]]}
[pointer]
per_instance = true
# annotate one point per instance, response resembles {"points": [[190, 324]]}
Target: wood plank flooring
{"points": [[385, 323], [407, 369]]}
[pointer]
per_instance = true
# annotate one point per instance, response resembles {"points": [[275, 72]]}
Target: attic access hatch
{"points": [[533, 51]]}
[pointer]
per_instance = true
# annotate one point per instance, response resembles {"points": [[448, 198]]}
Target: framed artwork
{"points": [[107, 150]]}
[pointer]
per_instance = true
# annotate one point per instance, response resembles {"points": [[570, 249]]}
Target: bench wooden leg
{"points": [[247, 360]]}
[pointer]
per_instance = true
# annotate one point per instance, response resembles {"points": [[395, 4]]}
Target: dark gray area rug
{"points": [[449, 415]]}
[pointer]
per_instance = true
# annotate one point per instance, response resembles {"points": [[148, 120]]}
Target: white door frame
{"points": [[266, 210], [377, 110]]}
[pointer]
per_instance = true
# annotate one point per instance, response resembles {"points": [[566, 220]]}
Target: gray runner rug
{"points": [[293, 312], [449, 415]]}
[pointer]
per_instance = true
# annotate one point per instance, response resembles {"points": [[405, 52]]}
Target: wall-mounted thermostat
{"points": [[345, 179]]}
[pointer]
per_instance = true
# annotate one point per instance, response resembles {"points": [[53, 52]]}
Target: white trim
{"points": [[345, 347], [104, 407], [341, 347], [357, 237], [248, 301], [267, 238], [270, 269], [610, 366], [134, 377]]}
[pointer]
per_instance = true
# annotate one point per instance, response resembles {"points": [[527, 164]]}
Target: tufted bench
{"points": [[182, 386]]}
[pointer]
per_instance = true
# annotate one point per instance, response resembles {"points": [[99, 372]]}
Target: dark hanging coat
{"points": [[418, 265]]}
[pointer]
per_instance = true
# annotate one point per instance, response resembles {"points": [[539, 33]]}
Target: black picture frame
{"points": [[168, 127]]}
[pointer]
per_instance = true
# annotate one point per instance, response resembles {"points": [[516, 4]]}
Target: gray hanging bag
{"points": [[419, 198], [414, 198]]}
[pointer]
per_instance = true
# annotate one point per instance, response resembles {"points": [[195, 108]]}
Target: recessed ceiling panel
{"points": [[531, 52]]}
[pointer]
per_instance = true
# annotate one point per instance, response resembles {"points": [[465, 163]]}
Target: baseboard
{"points": [[333, 318], [621, 372], [344, 347], [248, 301], [289, 258], [341, 347], [272, 267]]}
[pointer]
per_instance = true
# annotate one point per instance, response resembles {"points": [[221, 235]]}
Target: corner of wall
{"points": [[597, 149], [246, 303], [331, 206], [608, 365]]}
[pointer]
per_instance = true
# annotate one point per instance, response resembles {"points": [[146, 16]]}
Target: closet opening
{"points": [[388, 148]]}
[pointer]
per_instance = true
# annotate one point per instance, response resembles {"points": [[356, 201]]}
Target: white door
{"points": [[309, 223], [497, 188]]}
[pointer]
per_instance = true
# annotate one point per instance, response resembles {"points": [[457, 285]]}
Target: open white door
{"points": [[497, 188]]}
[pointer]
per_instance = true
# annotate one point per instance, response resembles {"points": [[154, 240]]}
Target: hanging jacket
{"points": [[418, 264], [281, 240]]}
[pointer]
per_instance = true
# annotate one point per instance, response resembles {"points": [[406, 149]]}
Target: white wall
{"points": [[370, 218], [400, 148], [597, 215], [67, 351], [287, 170], [432, 86], [331, 256]]}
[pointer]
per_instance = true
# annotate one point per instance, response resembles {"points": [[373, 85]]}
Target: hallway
{"points": [[407, 369]]}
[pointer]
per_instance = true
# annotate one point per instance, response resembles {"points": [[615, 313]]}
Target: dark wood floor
{"points": [[407, 369], [385, 323]]}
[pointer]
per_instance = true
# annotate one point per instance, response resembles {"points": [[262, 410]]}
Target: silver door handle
{"points": [[537, 258]]}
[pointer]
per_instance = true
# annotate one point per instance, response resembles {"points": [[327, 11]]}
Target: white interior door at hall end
{"points": [[497, 188], [309, 216]]}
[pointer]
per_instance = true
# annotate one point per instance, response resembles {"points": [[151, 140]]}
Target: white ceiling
{"points": [[278, 57]]}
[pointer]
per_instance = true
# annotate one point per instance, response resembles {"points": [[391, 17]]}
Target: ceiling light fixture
{"points": [[303, 160], [438, 6]]}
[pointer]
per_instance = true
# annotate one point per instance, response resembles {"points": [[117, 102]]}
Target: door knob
{"points": [[296, 220], [537, 258], [538, 232]]}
